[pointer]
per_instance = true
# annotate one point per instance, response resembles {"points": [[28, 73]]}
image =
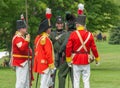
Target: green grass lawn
{"points": [[107, 75]]}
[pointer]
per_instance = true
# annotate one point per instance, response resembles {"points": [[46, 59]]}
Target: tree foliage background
{"points": [[115, 36], [101, 15]]}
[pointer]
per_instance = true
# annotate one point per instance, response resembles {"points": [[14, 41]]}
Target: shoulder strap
{"points": [[59, 36], [82, 42]]}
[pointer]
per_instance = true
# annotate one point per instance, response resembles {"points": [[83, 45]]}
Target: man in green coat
{"points": [[58, 36], [64, 68]]}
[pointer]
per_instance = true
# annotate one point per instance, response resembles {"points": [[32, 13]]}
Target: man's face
{"points": [[77, 25], [59, 26], [23, 30]]}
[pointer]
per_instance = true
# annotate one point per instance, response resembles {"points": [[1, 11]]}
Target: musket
{"points": [[29, 62], [37, 80], [68, 79]]}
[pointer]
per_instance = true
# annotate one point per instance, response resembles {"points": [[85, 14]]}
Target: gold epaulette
{"points": [[43, 40]]}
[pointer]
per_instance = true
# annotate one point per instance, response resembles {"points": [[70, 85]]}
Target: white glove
{"points": [[97, 64], [69, 64], [53, 71]]}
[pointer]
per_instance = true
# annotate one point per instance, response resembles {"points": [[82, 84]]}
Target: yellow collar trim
{"points": [[45, 34], [80, 28], [18, 33]]}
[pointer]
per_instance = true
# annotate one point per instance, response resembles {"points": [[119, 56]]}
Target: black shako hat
{"points": [[71, 19], [20, 24], [44, 25], [59, 19], [81, 19]]}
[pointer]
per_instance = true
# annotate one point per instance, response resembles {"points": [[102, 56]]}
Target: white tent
{"points": [[2, 54]]}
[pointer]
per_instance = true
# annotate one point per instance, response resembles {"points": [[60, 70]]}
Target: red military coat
{"points": [[44, 55], [19, 50], [74, 43]]}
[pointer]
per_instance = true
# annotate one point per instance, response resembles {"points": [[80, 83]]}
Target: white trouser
{"points": [[46, 80], [22, 77], [83, 70]]}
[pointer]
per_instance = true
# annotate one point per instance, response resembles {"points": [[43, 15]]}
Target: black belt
{"points": [[79, 52]]}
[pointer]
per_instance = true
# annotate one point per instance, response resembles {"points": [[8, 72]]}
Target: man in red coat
{"points": [[20, 49], [78, 48], [44, 55]]}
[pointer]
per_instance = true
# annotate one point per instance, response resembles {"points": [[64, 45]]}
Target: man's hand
{"points": [[97, 64], [27, 38], [53, 70], [97, 60], [69, 64]]}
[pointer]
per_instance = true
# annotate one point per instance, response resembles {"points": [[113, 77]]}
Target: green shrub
{"points": [[115, 36]]}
